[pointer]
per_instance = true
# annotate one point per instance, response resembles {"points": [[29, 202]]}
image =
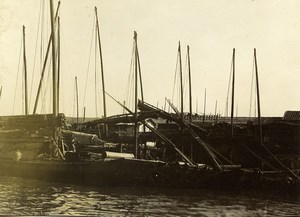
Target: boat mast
{"points": [[258, 100], [84, 109], [101, 61], [44, 66], [77, 106], [181, 82], [190, 82], [232, 92], [54, 81], [25, 73], [135, 98], [58, 62], [204, 106], [216, 106]]}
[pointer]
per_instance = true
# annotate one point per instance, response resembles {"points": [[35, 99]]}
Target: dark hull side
{"points": [[121, 172], [135, 172]]}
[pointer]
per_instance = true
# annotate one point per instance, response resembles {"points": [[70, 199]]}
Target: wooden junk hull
{"points": [[117, 172], [136, 172]]}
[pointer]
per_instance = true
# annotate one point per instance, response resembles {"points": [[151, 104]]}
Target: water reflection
{"points": [[33, 197]]}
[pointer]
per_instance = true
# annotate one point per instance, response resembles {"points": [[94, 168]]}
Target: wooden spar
{"points": [[165, 139], [77, 106], [260, 126], [58, 61], [232, 92], [204, 105], [190, 97], [135, 97], [101, 61], [44, 66], [160, 135], [25, 73], [54, 72], [190, 82], [204, 146], [95, 80], [258, 100], [181, 82], [140, 75]]}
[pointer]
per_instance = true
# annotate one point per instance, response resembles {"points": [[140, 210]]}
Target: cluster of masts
{"points": [[55, 40]]}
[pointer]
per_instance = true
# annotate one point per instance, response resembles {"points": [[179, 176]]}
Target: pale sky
{"points": [[212, 28]]}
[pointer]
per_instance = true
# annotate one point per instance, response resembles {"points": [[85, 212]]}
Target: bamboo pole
{"points": [[77, 106], [204, 106], [25, 73], [232, 92], [44, 66], [135, 97], [181, 82], [190, 83], [58, 62], [101, 61], [258, 100]]}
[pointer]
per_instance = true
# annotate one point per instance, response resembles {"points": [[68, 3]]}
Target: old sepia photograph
{"points": [[150, 108]]}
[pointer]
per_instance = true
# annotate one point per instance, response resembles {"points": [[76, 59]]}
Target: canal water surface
{"points": [[33, 197]]}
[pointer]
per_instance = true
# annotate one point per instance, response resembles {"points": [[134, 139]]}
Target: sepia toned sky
{"points": [[211, 28]]}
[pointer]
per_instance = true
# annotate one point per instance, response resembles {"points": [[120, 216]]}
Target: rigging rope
{"points": [[89, 60], [251, 98], [18, 72], [128, 92], [45, 86], [35, 51], [174, 80], [228, 89], [185, 83]]}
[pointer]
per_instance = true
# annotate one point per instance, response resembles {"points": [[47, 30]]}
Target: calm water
{"points": [[33, 197]]}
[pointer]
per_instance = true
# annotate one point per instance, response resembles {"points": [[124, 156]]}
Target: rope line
{"points": [[251, 93], [35, 52], [175, 78], [89, 60], [18, 72], [228, 89]]}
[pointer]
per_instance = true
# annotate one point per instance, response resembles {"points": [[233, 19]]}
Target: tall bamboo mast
{"points": [[190, 82], [44, 65], [135, 95], [58, 62], [25, 73], [216, 107], [232, 92], [204, 106], [101, 61], [181, 82], [54, 72], [258, 100], [77, 106]]}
